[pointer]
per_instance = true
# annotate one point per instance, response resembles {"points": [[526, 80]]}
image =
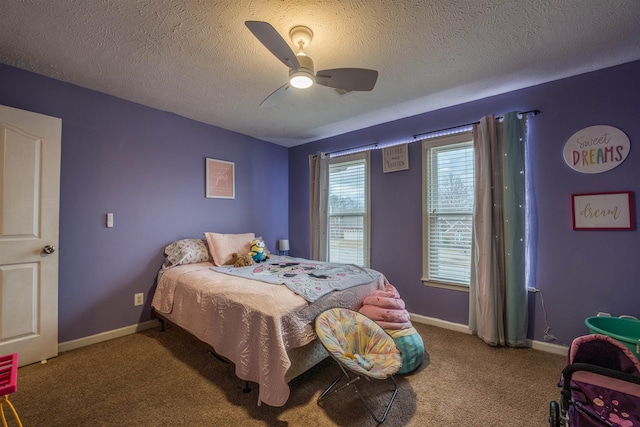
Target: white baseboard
{"points": [[105, 336], [562, 350], [444, 324], [458, 327]]}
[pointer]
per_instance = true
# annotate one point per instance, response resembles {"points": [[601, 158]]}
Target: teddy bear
{"points": [[240, 260]]}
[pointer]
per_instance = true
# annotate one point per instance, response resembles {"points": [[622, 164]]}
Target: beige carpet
{"points": [[167, 378]]}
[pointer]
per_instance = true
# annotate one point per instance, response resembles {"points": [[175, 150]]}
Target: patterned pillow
{"points": [[185, 251]]}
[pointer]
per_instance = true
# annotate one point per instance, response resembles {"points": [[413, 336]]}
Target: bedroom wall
{"points": [[579, 272], [147, 167]]}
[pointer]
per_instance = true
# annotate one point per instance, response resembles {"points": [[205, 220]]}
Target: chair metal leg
{"points": [[388, 407], [352, 381]]}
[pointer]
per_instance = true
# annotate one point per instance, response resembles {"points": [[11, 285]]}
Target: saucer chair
{"points": [[361, 348]]}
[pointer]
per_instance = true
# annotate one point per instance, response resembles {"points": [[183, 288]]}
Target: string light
{"points": [[419, 137]]}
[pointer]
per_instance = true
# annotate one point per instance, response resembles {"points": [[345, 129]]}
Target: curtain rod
{"points": [[375, 144], [533, 112]]}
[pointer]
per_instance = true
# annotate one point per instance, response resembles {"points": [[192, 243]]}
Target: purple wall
{"points": [[579, 272], [147, 167]]}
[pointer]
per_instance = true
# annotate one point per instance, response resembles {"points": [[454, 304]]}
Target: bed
{"points": [[264, 329]]}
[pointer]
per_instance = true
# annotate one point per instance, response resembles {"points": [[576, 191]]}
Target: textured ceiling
{"points": [[197, 59]]}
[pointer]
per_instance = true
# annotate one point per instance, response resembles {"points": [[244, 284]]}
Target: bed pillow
{"points": [[185, 251], [221, 246]]}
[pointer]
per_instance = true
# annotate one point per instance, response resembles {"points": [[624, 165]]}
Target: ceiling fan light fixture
{"points": [[302, 77]]}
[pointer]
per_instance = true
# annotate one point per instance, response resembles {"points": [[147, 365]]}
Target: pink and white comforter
{"points": [[250, 323]]}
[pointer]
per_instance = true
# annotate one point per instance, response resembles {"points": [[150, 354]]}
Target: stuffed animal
{"points": [[240, 260], [258, 251]]}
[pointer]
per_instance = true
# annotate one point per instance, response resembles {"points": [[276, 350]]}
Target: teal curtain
{"points": [[498, 295]]}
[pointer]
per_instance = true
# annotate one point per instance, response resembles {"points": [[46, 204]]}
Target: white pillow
{"points": [[185, 251]]}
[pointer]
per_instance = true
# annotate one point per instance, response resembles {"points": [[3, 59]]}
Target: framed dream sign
{"points": [[220, 179], [602, 211]]}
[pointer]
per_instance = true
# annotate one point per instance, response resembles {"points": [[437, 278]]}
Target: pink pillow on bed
{"points": [[222, 246]]}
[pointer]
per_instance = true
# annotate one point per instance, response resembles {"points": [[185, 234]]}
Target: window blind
{"points": [[347, 212], [450, 208]]}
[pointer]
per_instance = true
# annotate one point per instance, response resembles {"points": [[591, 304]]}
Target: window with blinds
{"points": [[449, 199], [348, 209]]}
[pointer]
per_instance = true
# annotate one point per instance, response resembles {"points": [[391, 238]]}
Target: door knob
{"points": [[49, 249]]}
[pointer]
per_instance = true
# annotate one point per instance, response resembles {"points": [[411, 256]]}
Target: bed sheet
{"points": [[251, 323]]}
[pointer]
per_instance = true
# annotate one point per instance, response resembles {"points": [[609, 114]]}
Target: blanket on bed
{"points": [[309, 279], [252, 324]]}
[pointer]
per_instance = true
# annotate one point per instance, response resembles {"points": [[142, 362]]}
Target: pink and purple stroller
{"points": [[600, 385]]}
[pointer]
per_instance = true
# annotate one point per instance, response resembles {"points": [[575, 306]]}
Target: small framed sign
{"points": [[395, 158], [602, 211], [220, 179]]}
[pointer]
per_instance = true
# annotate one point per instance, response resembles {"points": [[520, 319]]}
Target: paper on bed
{"points": [[309, 279]]}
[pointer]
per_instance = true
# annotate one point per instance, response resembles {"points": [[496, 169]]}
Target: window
{"points": [[349, 209], [448, 197]]}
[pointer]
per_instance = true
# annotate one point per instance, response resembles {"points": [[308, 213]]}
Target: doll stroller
{"points": [[600, 385]]}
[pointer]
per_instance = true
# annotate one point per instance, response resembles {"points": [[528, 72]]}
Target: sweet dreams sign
{"points": [[596, 149]]}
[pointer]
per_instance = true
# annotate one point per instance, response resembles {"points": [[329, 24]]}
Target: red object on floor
{"points": [[8, 384], [8, 374]]}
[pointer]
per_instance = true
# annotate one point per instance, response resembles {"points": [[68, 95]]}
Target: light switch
{"points": [[110, 220]]}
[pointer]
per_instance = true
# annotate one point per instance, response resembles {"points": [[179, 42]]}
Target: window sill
{"points": [[449, 286]]}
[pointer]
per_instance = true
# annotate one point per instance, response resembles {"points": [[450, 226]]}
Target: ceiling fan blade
{"points": [[348, 79], [276, 96], [270, 38]]}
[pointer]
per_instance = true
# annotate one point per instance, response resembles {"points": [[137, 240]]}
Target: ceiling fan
{"points": [[301, 71]]}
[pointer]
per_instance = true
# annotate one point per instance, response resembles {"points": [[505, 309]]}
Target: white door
{"points": [[29, 209]]}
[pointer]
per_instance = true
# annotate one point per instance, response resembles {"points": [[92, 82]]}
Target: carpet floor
{"points": [[156, 378]]}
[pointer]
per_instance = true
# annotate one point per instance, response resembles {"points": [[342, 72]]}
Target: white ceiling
{"points": [[197, 59]]}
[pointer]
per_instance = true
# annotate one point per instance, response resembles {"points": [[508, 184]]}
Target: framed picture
{"points": [[220, 179], [395, 158], [602, 211]]}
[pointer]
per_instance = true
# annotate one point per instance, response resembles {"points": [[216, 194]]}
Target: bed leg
{"points": [[246, 388], [162, 324]]}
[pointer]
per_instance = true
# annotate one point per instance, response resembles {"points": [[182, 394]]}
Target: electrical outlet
{"points": [[138, 299]]}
